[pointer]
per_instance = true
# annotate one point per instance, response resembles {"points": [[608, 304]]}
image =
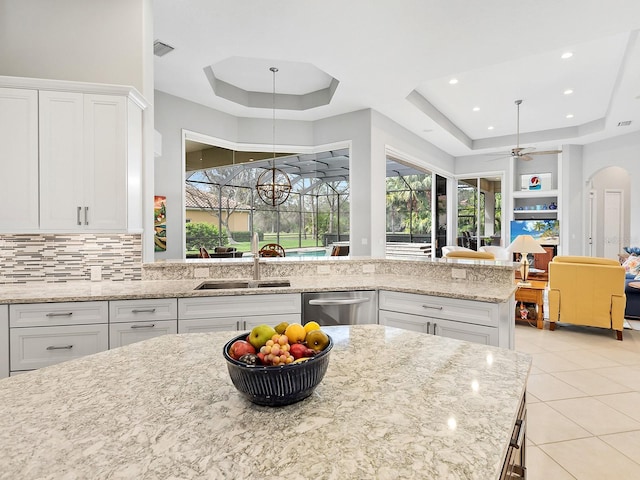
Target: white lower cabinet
{"points": [[469, 320], [121, 334], [241, 312], [42, 334], [36, 347], [4, 341], [132, 321]]}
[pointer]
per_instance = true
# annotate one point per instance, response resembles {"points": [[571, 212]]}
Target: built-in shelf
{"points": [[535, 193], [547, 211]]}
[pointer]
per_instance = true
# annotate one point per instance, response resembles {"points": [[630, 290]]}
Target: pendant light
{"points": [[273, 186]]}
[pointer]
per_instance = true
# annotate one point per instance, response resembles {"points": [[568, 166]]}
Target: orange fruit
{"points": [[295, 333], [311, 326]]}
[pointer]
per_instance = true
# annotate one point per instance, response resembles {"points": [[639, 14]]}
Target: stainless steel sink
{"points": [[223, 284], [220, 285]]}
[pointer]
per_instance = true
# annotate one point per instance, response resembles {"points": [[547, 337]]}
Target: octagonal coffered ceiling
{"points": [[250, 82]]}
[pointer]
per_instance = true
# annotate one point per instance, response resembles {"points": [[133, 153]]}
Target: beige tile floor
{"points": [[583, 418]]}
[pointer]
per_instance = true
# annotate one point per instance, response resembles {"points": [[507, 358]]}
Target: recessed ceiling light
{"points": [[453, 81], [568, 91], [566, 55], [570, 115], [490, 127], [476, 109]]}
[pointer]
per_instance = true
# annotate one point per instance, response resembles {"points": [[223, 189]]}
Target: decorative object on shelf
{"points": [[524, 245], [160, 223], [535, 182], [273, 185], [553, 206]]}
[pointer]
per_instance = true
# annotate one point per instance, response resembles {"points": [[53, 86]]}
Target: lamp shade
{"points": [[525, 244]]}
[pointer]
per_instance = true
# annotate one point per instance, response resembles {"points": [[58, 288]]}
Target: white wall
{"points": [[624, 152], [83, 40]]}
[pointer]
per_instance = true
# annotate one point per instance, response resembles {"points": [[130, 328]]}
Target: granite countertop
{"points": [[107, 290], [394, 404]]}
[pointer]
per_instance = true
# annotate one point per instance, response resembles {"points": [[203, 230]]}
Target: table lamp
{"points": [[524, 245]]}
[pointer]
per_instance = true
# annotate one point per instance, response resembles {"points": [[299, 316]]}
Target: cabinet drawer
{"points": [[469, 311], [124, 333], [36, 347], [238, 305], [64, 313], [143, 310]]}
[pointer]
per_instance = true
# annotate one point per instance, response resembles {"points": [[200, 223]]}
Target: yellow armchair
{"points": [[587, 291]]}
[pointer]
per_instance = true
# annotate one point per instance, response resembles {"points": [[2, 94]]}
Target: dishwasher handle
{"points": [[338, 301]]}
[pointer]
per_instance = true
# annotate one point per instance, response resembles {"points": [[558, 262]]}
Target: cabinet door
{"points": [[121, 334], [61, 161], [201, 325], [36, 347], [465, 331], [18, 160], [406, 321], [105, 153]]}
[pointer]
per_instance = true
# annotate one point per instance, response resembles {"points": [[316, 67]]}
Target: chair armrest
{"points": [[554, 305], [618, 304]]}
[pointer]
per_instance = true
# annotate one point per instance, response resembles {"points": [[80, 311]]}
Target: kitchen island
{"points": [[393, 404]]}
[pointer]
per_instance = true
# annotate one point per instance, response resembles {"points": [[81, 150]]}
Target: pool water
{"points": [[307, 253]]}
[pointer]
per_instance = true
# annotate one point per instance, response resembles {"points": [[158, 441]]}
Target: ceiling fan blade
{"points": [[526, 157], [545, 152]]}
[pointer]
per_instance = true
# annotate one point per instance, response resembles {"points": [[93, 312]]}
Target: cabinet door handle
{"points": [[78, 215], [59, 314], [143, 310], [148, 325], [515, 439], [237, 324], [61, 347], [428, 326], [86, 215], [434, 307], [435, 325]]}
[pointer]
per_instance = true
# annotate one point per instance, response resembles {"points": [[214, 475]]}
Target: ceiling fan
{"points": [[526, 153]]}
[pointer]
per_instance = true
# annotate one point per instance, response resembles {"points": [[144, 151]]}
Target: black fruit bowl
{"points": [[277, 386]]}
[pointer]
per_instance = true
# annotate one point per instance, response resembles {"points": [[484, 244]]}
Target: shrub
{"points": [[203, 235]]}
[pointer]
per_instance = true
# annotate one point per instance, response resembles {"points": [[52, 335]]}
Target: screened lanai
{"points": [[220, 191]]}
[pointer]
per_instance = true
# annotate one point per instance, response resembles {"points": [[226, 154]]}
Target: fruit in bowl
{"points": [[279, 372]]}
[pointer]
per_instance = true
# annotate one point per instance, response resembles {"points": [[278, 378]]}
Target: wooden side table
{"points": [[533, 294]]}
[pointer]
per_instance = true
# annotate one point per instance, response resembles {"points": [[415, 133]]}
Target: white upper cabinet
{"points": [[18, 159], [84, 170], [61, 160]]}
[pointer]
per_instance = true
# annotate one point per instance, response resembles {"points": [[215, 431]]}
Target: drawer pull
{"points": [[143, 310], [148, 325], [62, 347], [435, 307], [60, 314]]}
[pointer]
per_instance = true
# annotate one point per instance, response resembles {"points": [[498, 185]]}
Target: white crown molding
{"points": [[71, 86]]}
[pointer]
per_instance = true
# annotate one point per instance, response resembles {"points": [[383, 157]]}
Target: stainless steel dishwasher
{"points": [[340, 308]]}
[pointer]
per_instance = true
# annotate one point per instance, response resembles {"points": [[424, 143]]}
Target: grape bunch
{"points": [[276, 351]]}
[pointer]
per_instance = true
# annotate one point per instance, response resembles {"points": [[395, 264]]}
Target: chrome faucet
{"points": [[256, 256]]}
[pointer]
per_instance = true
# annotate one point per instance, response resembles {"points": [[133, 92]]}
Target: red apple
{"points": [[239, 348], [298, 350]]}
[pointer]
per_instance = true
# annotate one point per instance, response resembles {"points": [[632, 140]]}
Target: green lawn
{"points": [[287, 240]]}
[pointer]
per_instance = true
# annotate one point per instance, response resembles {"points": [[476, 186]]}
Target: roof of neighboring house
{"points": [[199, 199]]}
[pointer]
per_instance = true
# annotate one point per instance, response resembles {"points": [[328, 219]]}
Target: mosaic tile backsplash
{"points": [[60, 258]]}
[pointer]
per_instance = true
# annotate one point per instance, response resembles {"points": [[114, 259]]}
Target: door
{"points": [[18, 159], [105, 147], [612, 227], [61, 161], [440, 218], [592, 224]]}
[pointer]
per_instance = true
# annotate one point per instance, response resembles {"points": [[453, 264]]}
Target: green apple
{"points": [[260, 335], [317, 340]]}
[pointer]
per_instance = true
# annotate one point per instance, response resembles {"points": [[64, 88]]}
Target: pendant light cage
{"points": [[273, 185]]}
